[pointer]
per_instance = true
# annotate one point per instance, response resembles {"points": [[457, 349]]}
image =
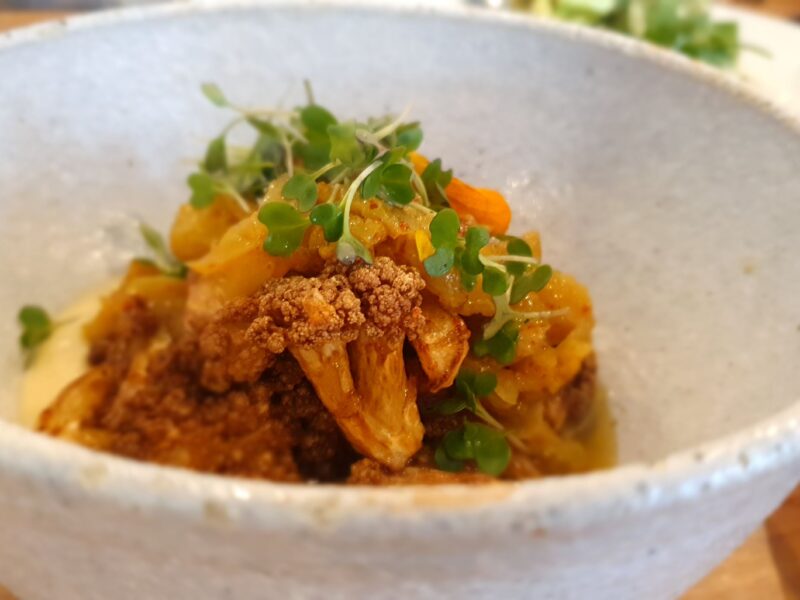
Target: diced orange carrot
{"points": [[488, 207]]}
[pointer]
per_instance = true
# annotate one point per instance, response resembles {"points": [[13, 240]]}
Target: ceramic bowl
{"points": [[671, 192]]}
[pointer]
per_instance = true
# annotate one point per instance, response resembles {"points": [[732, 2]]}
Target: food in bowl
{"points": [[334, 307]]}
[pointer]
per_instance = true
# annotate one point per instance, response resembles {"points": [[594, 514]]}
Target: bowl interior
{"points": [[675, 201]]}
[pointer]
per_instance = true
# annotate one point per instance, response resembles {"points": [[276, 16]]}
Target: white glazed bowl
{"points": [[674, 195]]}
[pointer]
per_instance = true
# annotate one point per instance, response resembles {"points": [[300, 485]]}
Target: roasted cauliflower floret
{"points": [[241, 340], [367, 389], [442, 345], [346, 329]]}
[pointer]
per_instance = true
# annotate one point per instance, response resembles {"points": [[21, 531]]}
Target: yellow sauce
{"points": [[61, 359], [600, 439]]}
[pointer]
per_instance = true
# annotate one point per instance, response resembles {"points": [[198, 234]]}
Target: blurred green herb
{"points": [[435, 181], [486, 446], [685, 26], [161, 258], [302, 188], [36, 327]]}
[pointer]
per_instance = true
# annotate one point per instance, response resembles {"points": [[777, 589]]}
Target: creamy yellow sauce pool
{"points": [[61, 359], [600, 440]]}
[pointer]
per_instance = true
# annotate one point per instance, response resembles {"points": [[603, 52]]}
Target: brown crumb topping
{"points": [[275, 428], [304, 311], [242, 339], [390, 297], [134, 324]]}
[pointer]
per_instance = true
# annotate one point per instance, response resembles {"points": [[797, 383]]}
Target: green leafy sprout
{"points": [[508, 278], [36, 326], [310, 145], [485, 443], [161, 258]]}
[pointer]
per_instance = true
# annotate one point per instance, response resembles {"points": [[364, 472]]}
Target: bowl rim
{"points": [[550, 503]]}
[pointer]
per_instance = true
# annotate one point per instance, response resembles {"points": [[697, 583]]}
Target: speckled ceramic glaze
{"points": [[673, 194]]}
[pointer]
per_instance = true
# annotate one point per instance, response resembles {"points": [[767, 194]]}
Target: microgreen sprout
{"points": [[393, 126], [36, 327], [532, 280], [246, 178], [504, 313], [310, 145], [331, 218], [485, 444], [409, 136], [302, 188], [214, 94], [348, 248], [206, 187], [495, 281], [473, 441], [161, 258], [444, 230], [500, 343], [508, 278], [435, 180], [392, 184], [286, 228], [216, 155]]}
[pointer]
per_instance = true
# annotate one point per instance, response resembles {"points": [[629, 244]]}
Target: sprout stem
{"points": [[367, 137], [501, 258], [542, 314], [287, 148], [350, 194], [421, 208], [388, 129], [309, 91], [227, 188], [484, 414], [322, 170], [420, 185]]}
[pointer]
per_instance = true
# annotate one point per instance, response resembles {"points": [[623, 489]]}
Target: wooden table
{"points": [[788, 9], [767, 566]]}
